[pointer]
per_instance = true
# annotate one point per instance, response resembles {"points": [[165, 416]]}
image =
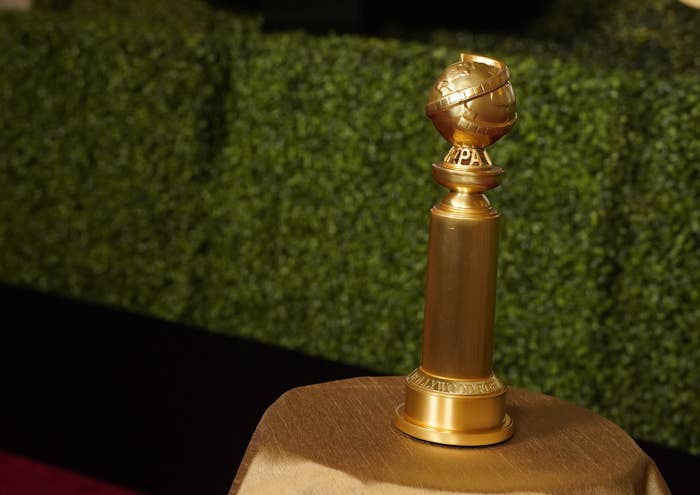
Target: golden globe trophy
{"points": [[307, 443], [454, 397]]}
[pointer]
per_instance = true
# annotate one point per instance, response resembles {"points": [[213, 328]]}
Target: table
{"points": [[338, 438]]}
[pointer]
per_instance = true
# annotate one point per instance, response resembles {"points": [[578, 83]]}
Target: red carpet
{"points": [[22, 476]]}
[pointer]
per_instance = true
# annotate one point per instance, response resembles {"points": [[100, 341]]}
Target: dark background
{"points": [[143, 403], [376, 17]]}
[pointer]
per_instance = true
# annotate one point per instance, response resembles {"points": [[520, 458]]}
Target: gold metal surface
{"points": [[332, 438], [454, 398], [691, 3]]}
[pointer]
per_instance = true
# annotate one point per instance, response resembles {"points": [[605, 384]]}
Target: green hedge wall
{"points": [[179, 162]]}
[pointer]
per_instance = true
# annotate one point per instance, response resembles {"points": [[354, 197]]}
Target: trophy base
{"points": [[455, 412], [452, 437]]}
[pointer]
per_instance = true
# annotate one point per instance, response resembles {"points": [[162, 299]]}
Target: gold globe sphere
{"points": [[472, 104]]}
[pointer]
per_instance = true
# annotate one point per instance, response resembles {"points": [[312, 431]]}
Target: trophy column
{"points": [[454, 397]]}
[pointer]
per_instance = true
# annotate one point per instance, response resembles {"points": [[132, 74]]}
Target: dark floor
{"points": [[151, 405]]}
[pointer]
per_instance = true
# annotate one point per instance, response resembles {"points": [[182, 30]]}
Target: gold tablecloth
{"points": [[338, 438]]}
